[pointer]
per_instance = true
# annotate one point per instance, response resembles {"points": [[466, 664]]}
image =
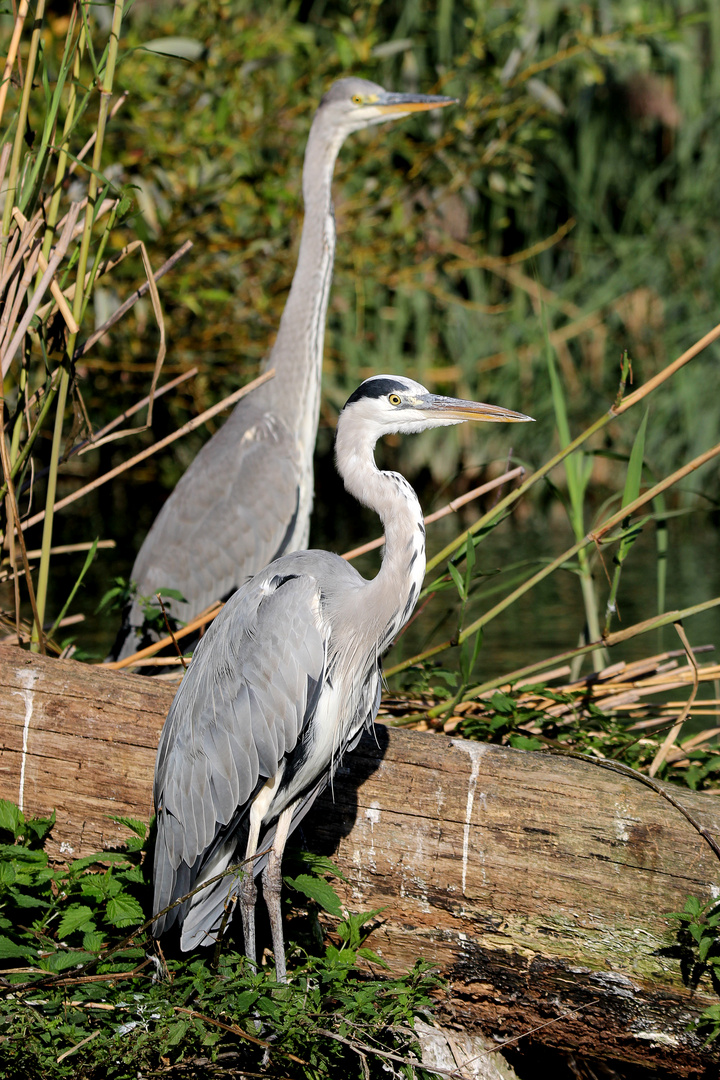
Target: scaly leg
{"points": [[247, 893], [272, 886]]}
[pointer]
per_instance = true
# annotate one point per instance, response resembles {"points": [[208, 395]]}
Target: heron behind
{"points": [[284, 683], [247, 496]]}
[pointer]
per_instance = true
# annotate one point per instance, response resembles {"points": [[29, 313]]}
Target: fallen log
{"points": [[538, 885]]}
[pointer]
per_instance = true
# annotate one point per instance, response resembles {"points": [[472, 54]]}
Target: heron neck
{"points": [[389, 598], [298, 350]]}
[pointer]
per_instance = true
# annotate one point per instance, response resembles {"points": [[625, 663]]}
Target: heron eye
{"points": [[394, 399], [357, 99]]}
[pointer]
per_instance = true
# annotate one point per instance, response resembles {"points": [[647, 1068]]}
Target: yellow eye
{"points": [[394, 399], [357, 99]]}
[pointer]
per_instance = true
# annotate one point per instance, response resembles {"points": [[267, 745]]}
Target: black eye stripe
{"points": [[375, 388]]}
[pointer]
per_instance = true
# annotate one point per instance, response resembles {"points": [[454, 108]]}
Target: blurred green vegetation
{"points": [[597, 121], [568, 201]]}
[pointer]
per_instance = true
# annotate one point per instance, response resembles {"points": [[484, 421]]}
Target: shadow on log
{"points": [[538, 885]]}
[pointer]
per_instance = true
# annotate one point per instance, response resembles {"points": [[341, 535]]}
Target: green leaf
{"points": [[138, 827], [176, 1032], [319, 890], [86, 566], [76, 917], [368, 954], [93, 941], [525, 742], [124, 910], [633, 479], [7, 874], [10, 949], [458, 579], [706, 943], [61, 961], [42, 827], [502, 703], [11, 817]]}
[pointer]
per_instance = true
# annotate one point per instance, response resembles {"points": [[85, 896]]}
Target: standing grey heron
{"points": [[247, 496], [285, 681]]}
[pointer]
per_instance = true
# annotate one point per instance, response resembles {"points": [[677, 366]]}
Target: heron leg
{"points": [[247, 893], [272, 887]]}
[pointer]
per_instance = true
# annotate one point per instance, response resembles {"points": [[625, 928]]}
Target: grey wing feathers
{"points": [[241, 707], [233, 512]]}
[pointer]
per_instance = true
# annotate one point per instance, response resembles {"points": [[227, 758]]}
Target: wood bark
{"points": [[539, 886]]}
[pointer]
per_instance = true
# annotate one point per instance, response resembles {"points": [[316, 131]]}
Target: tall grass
{"points": [[54, 251]]}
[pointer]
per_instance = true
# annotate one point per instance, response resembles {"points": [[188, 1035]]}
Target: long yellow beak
{"points": [[407, 103], [435, 406]]}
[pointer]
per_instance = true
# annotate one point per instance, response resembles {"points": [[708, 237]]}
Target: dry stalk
{"points": [[672, 735], [12, 51], [53, 263]]}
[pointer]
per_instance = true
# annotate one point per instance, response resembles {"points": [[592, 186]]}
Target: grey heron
{"points": [[284, 683], [247, 496]]}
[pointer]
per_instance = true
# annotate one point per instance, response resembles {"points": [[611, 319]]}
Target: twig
{"points": [[92, 444], [199, 621], [235, 1030], [180, 656], [132, 299], [539, 1027], [83, 1042]]}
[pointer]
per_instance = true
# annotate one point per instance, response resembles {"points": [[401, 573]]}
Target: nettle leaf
{"points": [[41, 827], [93, 941], [526, 742], [76, 917], [124, 910], [318, 864], [7, 873], [373, 957], [502, 703], [11, 817], [243, 1002], [27, 900], [176, 1032], [705, 945], [101, 886], [61, 961], [10, 949], [319, 890], [133, 824]]}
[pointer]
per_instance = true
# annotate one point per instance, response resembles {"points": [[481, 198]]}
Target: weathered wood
{"points": [[538, 885]]}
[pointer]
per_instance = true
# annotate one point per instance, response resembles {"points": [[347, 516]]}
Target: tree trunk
{"points": [[538, 885]]}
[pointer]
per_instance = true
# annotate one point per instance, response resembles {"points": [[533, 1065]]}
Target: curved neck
{"points": [[389, 599]]}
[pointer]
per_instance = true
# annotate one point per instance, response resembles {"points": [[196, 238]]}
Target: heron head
{"points": [[352, 104], [392, 403]]}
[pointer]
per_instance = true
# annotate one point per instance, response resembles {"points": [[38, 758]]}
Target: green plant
{"points": [[86, 994], [699, 941]]}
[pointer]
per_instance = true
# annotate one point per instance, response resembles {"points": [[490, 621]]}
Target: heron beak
{"points": [[402, 104], [436, 407]]}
